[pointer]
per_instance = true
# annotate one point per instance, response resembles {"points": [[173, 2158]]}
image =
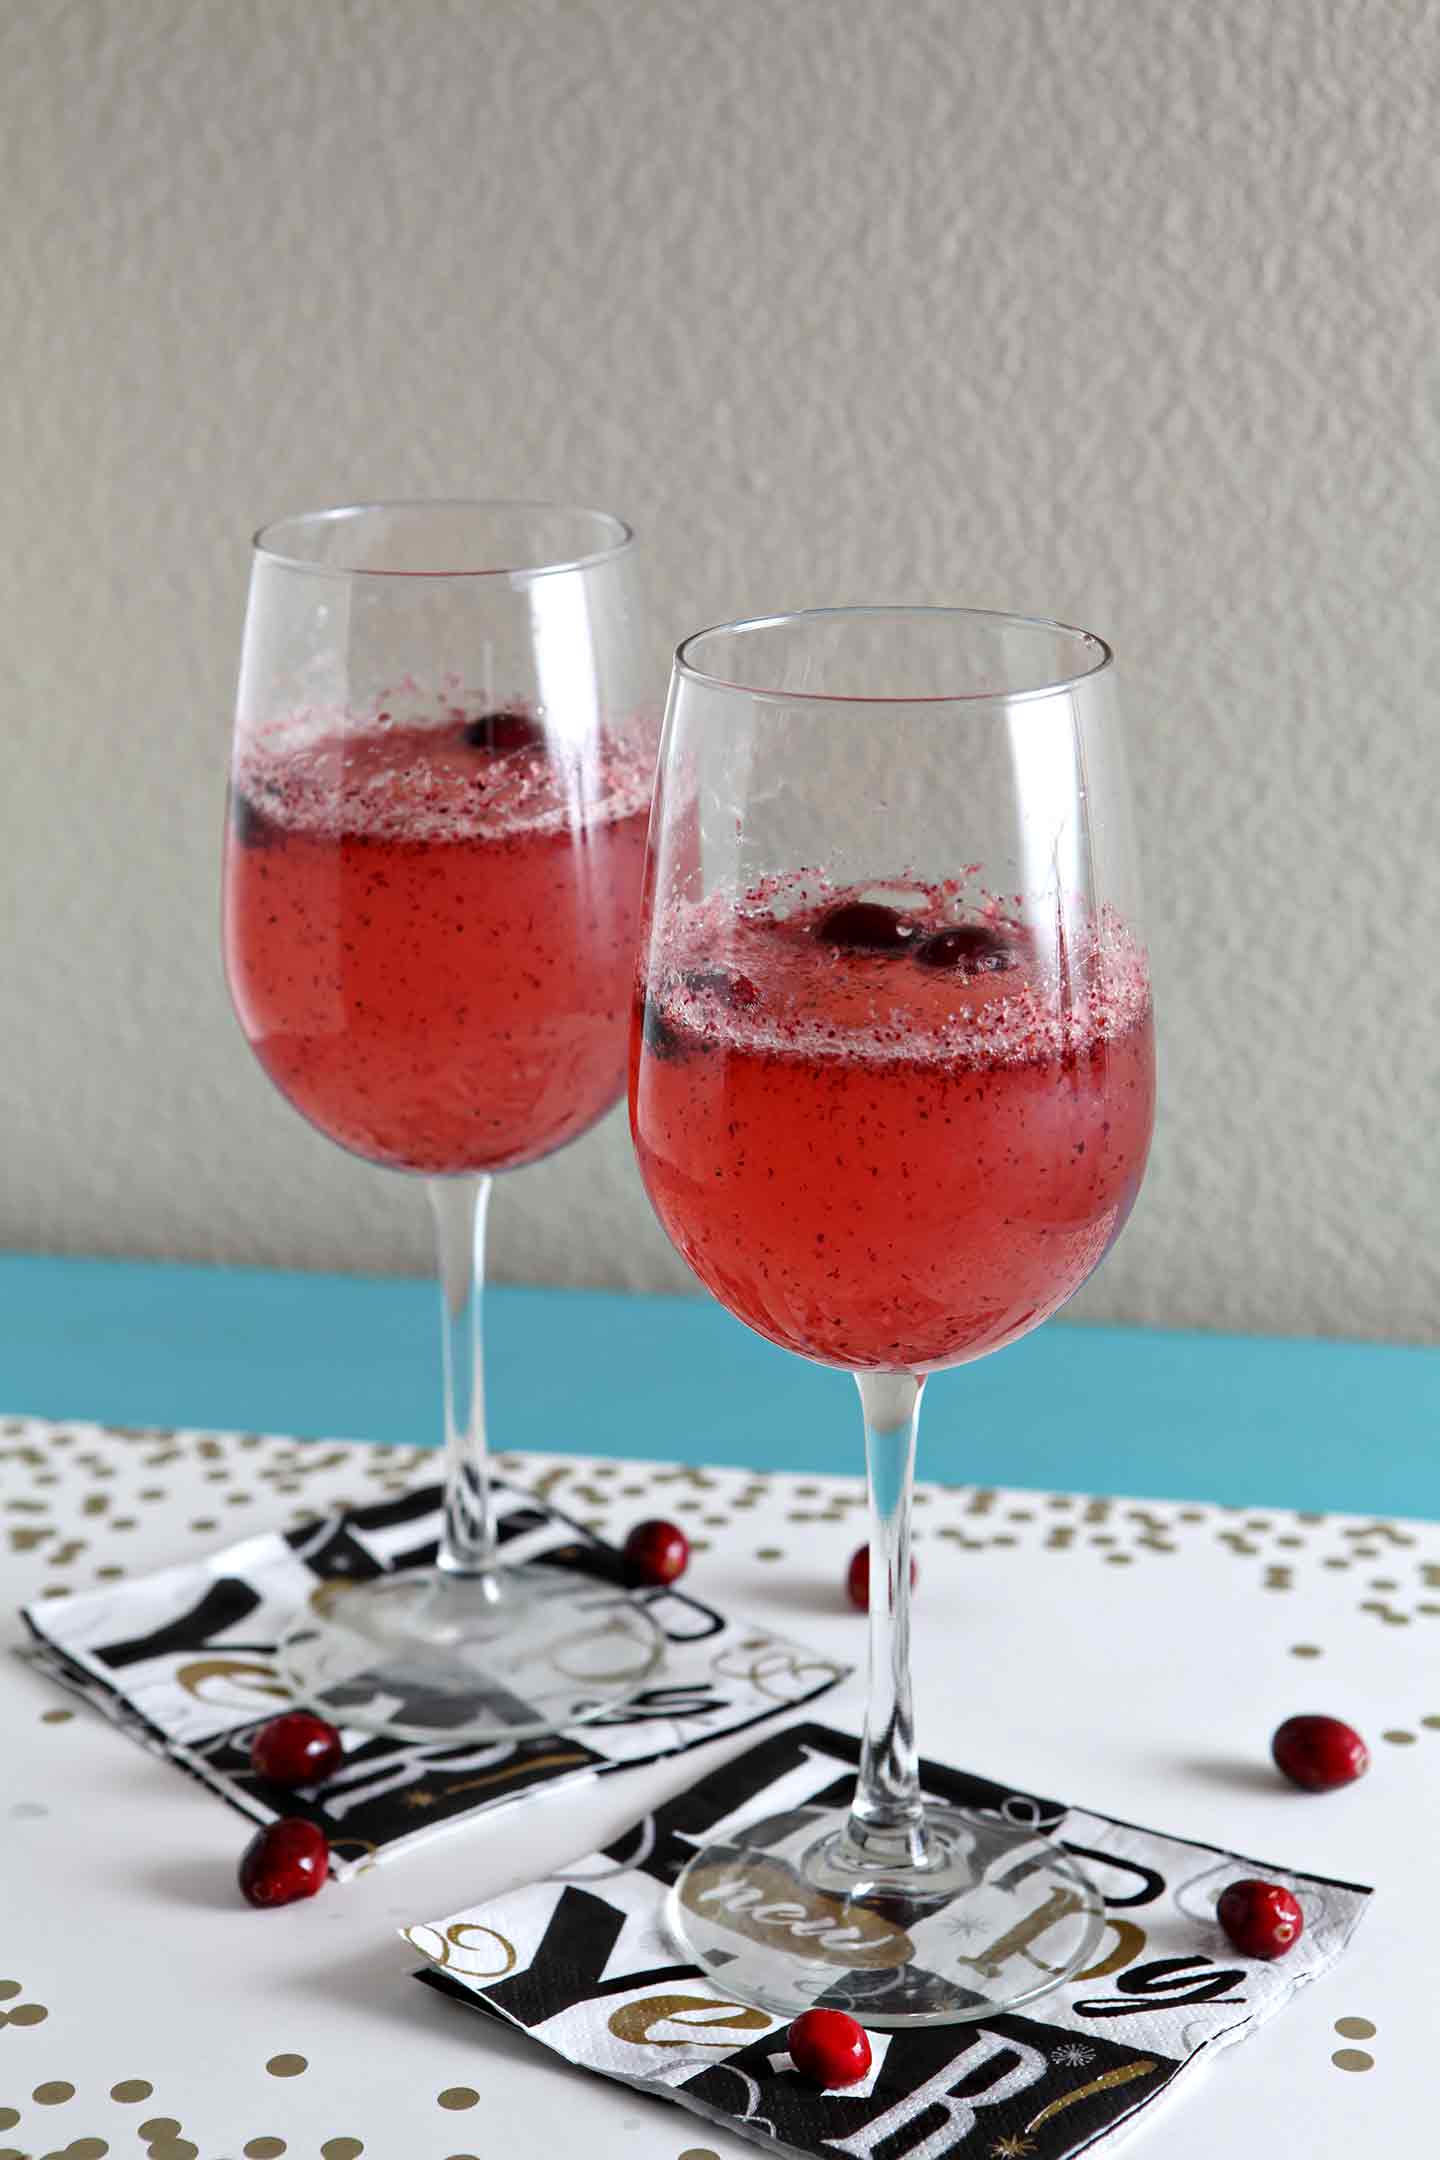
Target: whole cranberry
{"points": [[1319, 1754], [864, 926], [296, 1749], [286, 1860], [857, 1578], [968, 949], [1262, 1919], [829, 2048], [657, 1552], [504, 730]]}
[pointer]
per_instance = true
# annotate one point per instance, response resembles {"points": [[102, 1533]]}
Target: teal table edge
{"points": [[1249, 1421]]}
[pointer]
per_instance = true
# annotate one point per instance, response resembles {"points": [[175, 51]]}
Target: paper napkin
{"points": [[584, 1964], [184, 1661]]}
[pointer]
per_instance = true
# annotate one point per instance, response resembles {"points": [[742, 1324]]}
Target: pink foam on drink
{"points": [[806, 998], [407, 774]]}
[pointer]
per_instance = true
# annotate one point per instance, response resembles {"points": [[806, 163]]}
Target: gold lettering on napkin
{"points": [[634, 2021], [1112, 2078], [765, 1900], [992, 1960]]}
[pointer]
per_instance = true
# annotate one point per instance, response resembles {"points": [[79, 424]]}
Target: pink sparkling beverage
{"points": [[889, 1137], [429, 929]]}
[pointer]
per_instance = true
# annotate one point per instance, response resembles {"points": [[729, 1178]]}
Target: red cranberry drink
{"points": [[429, 928], [890, 1134]]}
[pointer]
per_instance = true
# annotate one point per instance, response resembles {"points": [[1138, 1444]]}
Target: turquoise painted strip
{"points": [[1251, 1421]]}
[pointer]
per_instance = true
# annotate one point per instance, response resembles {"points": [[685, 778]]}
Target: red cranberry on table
{"points": [[296, 1749], [828, 2048], [857, 1578], [286, 1860], [1319, 1754], [1262, 1919], [657, 1552]]}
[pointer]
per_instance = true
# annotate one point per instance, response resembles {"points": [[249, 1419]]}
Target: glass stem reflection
{"points": [[887, 1827], [467, 1540]]}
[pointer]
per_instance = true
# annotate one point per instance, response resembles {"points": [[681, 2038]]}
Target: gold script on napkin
{"points": [[767, 1902]]}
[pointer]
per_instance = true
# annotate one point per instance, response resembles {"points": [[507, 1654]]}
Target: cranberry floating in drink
{"points": [[439, 793], [903, 1143]]}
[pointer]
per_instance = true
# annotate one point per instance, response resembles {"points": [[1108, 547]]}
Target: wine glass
{"points": [[891, 1088], [439, 788]]}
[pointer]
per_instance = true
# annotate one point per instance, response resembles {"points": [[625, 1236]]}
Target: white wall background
{"points": [[1116, 310]]}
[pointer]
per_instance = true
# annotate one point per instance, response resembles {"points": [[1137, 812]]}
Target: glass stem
{"points": [[467, 1540], [887, 1826]]}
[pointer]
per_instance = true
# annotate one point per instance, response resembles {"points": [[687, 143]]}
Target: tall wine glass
{"points": [[439, 788], [891, 1087]]}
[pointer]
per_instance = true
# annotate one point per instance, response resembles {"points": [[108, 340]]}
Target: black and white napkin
{"points": [[184, 1661], [583, 1963]]}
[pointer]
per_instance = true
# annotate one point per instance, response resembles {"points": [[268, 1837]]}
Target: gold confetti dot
{"points": [[264, 2148], [1352, 2059], [8, 2118], [1398, 1738], [86, 2149], [1306, 1649], [109, 1574], [131, 2089], [1431, 1724], [205, 1522], [53, 2094], [341, 2149], [159, 2126], [29, 2014], [286, 2065], [699, 2152], [174, 2149], [1119, 1559], [458, 2096], [55, 1717], [769, 1552], [8, 1988], [1353, 2028]]}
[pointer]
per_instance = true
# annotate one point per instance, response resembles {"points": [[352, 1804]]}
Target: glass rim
{"points": [[686, 667], [262, 540]]}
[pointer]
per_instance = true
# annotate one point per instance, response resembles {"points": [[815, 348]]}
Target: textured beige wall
{"points": [[1112, 309]]}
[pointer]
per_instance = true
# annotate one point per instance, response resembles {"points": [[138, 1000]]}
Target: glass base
{"points": [[426, 1656], [790, 1915]]}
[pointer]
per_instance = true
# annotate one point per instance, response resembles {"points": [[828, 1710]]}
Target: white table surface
{"points": [[1137, 1666]]}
